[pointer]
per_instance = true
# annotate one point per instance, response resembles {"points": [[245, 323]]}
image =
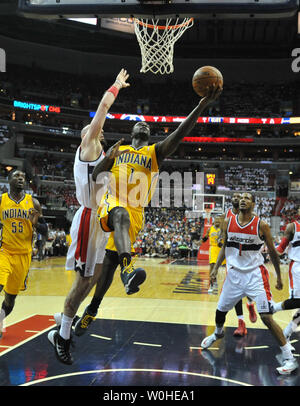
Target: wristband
{"points": [[114, 90], [282, 246]]}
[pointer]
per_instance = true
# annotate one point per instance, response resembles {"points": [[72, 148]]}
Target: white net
{"points": [[157, 42]]}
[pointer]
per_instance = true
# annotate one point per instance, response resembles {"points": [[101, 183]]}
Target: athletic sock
{"points": [[124, 260], [286, 352], [291, 327], [65, 327], [241, 317], [277, 307]]}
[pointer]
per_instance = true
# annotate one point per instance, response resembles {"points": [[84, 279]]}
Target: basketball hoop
{"points": [[157, 42]]}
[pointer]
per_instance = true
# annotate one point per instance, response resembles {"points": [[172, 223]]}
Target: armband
{"points": [[282, 246], [114, 90]]}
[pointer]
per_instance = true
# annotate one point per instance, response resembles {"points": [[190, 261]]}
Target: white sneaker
{"points": [[210, 290], [208, 341], [289, 365]]}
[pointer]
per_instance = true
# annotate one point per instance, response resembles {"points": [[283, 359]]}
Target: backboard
{"points": [[158, 8], [213, 202]]}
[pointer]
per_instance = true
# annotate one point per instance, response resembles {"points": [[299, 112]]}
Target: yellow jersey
{"points": [[17, 232], [134, 177], [214, 235]]}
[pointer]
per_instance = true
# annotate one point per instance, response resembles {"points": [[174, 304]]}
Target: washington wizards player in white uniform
{"points": [[87, 249], [291, 242], [244, 236]]}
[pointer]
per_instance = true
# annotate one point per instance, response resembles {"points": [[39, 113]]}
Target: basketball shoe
{"points": [[132, 278], [288, 366], [213, 288], [252, 312], [208, 341], [61, 347], [241, 331], [83, 322]]}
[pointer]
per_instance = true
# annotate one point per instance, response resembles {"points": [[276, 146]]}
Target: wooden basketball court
{"points": [[151, 338]]}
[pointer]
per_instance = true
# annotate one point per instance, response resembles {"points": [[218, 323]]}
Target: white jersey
{"points": [[88, 192], [294, 245], [88, 240], [243, 247]]}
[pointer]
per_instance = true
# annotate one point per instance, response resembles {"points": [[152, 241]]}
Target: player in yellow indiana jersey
{"points": [[215, 244], [20, 213], [134, 171]]}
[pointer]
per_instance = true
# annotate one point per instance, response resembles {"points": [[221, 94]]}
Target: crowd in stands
{"points": [[264, 207], [169, 233], [55, 244], [144, 97], [289, 211], [60, 196], [248, 179]]}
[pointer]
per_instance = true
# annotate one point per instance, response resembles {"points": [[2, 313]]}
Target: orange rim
{"points": [[164, 27]]}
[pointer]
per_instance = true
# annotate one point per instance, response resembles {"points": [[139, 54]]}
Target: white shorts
{"points": [[294, 277], [88, 242], [254, 284]]}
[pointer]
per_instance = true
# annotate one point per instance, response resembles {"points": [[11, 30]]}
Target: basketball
{"points": [[204, 78]]}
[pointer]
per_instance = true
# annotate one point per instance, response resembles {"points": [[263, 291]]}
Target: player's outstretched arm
{"points": [[265, 231], [106, 102], [171, 143]]}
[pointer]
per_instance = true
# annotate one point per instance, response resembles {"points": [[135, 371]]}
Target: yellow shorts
{"points": [[213, 254], [136, 222], [14, 269]]}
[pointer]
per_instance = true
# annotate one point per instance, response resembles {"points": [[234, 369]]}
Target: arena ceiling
{"points": [[220, 38]]}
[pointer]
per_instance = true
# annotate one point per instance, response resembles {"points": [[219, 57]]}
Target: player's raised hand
{"points": [[114, 151], [213, 93], [122, 78]]}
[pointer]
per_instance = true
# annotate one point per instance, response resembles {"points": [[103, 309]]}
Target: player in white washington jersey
{"points": [[244, 235], [87, 249], [291, 241], [241, 329]]}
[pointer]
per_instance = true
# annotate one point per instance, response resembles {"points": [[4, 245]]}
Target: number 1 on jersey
{"points": [[131, 175]]}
